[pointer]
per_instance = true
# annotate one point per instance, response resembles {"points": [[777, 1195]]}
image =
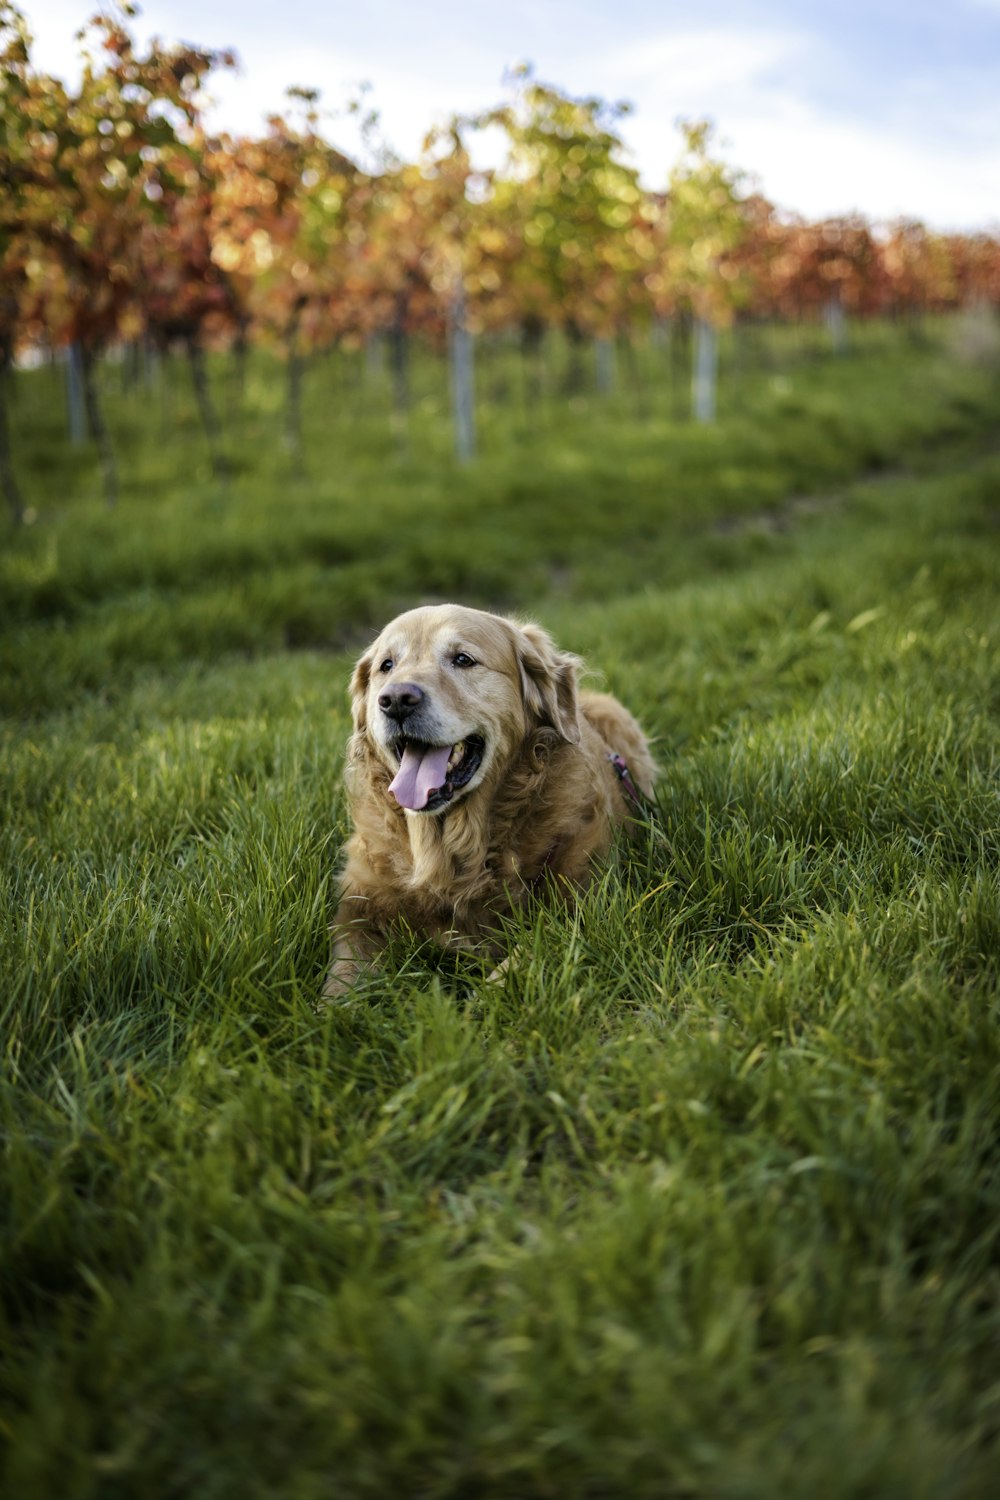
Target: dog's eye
{"points": [[386, 665], [463, 659]]}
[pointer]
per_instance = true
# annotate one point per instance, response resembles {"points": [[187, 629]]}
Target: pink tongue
{"points": [[420, 773]]}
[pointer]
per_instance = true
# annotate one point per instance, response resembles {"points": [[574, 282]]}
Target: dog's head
{"points": [[447, 695]]}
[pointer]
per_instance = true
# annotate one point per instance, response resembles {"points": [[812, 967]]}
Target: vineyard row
{"points": [[122, 219]]}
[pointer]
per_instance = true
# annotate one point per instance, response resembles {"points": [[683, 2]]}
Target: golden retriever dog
{"points": [[477, 771]]}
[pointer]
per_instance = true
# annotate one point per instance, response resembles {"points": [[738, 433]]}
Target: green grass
{"points": [[704, 1199]]}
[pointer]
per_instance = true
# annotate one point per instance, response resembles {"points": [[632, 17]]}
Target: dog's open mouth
{"points": [[430, 775]]}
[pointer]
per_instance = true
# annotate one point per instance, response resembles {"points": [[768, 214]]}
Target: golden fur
{"points": [[543, 800]]}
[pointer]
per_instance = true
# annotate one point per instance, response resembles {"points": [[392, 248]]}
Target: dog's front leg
{"points": [[355, 949], [346, 968]]}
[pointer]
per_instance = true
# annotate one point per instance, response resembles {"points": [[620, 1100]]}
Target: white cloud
{"points": [[924, 142], [821, 167], [409, 100], [55, 49], [691, 65], [920, 157]]}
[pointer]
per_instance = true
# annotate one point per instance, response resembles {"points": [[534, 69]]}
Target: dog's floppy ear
{"points": [[359, 689], [548, 682]]}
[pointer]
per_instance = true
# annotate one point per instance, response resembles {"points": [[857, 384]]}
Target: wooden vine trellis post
{"points": [[461, 359], [705, 370]]}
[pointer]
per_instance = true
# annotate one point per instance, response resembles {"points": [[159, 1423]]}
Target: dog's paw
{"points": [[503, 968]]}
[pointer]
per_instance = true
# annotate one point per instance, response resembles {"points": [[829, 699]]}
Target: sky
{"points": [[890, 108]]}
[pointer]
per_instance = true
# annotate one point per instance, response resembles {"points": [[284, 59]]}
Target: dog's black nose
{"points": [[400, 700]]}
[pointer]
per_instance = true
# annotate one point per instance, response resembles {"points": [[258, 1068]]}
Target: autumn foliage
{"points": [[122, 220], [120, 217]]}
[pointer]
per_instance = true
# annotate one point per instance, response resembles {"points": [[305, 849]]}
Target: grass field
{"points": [[704, 1200]]}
